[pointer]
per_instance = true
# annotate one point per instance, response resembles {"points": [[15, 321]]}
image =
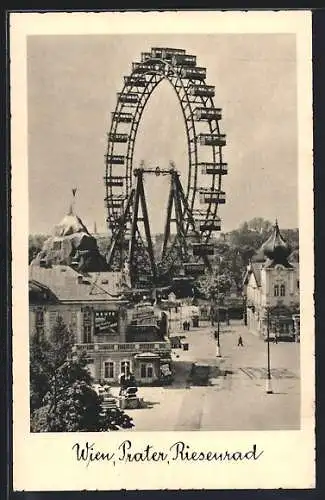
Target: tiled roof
{"points": [[255, 269], [40, 293], [63, 281]]}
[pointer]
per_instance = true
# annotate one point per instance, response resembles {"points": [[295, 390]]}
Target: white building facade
{"points": [[271, 287]]}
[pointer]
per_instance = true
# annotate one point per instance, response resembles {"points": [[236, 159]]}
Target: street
{"points": [[226, 393]]}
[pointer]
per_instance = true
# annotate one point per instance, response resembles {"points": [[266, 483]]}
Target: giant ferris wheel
{"points": [[193, 207]]}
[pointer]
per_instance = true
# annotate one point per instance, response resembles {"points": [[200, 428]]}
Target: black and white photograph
{"points": [[166, 243]]}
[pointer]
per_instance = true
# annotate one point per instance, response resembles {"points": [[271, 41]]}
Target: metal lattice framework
{"points": [[204, 145]]}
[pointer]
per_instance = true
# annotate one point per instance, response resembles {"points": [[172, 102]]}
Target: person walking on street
{"points": [[123, 382], [240, 341]]}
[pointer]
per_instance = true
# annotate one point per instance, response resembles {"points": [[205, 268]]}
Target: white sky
{"points": [[72, 85]]}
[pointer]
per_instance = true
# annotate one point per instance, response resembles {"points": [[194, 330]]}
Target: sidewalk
{"points": [[227, 393]]}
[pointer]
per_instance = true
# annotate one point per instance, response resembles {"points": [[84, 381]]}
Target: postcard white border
{"points": [[45, 462]]}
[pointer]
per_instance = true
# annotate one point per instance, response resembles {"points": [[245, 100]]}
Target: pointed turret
{"points": [[276, 248]]}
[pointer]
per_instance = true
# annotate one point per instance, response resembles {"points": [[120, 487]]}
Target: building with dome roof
{"points": [[271, 286], [71, 244], [69, 279]]}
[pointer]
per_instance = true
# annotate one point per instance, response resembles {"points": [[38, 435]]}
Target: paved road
{"points": [[227, 393]]}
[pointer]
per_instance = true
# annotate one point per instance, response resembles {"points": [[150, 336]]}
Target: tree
{"points": [[71, 405], [292, 238], [46, 356], [35, 245], [103, 243], [62, 397], [259, 225], [39, 371], [214, 286]]}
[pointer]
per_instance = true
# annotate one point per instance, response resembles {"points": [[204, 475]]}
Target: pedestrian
{"points": [[276, 339], [123, 382], [131, 380], [240, 341]]}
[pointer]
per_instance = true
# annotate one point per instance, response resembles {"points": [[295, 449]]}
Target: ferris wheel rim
{"points": [[165, 71]]}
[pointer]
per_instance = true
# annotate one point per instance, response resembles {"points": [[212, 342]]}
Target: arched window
{"points": [[282, 290], [276, 290]]}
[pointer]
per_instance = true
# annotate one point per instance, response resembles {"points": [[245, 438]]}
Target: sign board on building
{"points": [[144, 315], [105, 322]]}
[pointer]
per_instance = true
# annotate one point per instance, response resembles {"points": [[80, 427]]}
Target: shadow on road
{"points": [[188, 374], [201, 375], [150, 404], [182, 370]]}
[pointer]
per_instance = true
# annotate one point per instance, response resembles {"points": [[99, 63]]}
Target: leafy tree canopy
{"points": [[62, 397]]}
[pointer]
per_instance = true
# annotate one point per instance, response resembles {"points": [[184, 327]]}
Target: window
{"points": [[146, 370], [298, 284], [282, 290], [125, 367], [276, 290], [87, 334], [109, 369], [86, 326]]}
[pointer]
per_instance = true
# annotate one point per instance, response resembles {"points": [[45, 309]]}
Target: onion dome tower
{"points": [[276, 249]]}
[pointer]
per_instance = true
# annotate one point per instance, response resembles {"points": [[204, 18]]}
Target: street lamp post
{"points": [[269, 379], [218, 353]]}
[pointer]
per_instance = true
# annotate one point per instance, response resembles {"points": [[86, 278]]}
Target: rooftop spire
{"points": [[71, 207]]}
